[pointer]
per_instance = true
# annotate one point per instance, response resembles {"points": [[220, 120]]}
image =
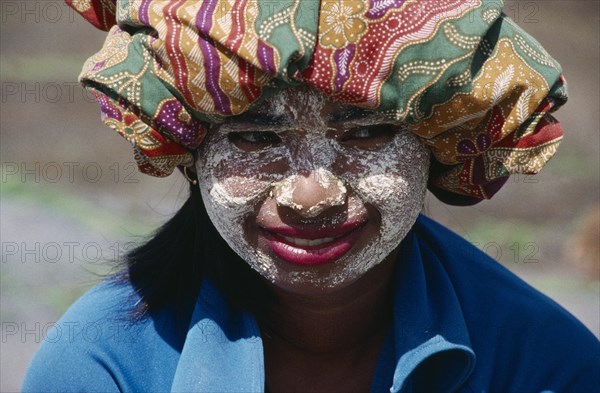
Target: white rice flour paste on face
{"points": [[234, 184]]}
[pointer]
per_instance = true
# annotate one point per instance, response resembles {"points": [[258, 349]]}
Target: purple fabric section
{"points": [[98, 66], [494, 186], [478, 171], [143, 13], [378, 8], [342, 58], [168, 121], [107, 108], [467, 149], [483, 142], [212, 64], [266, 58]]}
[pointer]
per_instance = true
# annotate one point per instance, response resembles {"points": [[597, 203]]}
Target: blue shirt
{"points": [[461, 323]]}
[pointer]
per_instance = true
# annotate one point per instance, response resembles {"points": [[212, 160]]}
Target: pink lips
{"points": [[314, 247]]}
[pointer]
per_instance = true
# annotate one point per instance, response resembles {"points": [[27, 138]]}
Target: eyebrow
{"points": [[260, 119], [350, 113]]}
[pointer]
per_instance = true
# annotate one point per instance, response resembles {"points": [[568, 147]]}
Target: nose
{"points": [[310, 195]]}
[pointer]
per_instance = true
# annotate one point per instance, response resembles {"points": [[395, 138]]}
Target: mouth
{"points": [[312, 248]]}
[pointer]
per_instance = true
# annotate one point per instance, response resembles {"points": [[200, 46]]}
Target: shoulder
{"points": [[515, 330], [97, 347]]}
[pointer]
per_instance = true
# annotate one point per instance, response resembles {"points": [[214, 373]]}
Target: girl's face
{"points": [[312, 193]]}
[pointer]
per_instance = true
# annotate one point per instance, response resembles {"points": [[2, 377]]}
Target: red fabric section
{"points": [[100, 13]]}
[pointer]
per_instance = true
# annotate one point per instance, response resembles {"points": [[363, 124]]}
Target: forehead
{"points": [[302, 105]]}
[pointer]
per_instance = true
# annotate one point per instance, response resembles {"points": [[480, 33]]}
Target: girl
{"points": [[309, 132]]}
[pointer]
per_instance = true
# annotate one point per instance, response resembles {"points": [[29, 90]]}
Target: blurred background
{"points": [[72, 201]]}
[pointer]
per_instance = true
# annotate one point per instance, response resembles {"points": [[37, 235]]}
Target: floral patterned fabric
{"points": [[471, 84]]}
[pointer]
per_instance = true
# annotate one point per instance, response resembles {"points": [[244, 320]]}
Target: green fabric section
{"points": [[395, 93], [306, 21], [289, 38], [469, 26], [534, 54]]}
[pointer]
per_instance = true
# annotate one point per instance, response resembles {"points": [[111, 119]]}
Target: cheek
{"points": [[393, 179], [235, 183]]}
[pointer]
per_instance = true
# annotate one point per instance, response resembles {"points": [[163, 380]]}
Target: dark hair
{"points": [[169, 267]]}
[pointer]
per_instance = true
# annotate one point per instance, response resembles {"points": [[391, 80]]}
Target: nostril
{"points": [[310, 195]]}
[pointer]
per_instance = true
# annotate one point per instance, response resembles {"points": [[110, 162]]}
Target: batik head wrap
{"points": [[461, 75]]}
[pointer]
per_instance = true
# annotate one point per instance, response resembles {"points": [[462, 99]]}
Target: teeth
{"points": [[308, 242]]}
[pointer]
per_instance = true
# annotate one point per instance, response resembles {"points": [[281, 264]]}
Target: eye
{"points": [[369, 136], [254, 140]]}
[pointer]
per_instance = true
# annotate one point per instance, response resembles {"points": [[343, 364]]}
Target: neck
{"points": [[344, 321]]}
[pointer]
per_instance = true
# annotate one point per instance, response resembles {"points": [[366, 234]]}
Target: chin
{"points": [[309, 283]]}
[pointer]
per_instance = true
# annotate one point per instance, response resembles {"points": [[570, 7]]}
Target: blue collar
{"points": [[432, 349], [223, 350], [427, 349]]}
